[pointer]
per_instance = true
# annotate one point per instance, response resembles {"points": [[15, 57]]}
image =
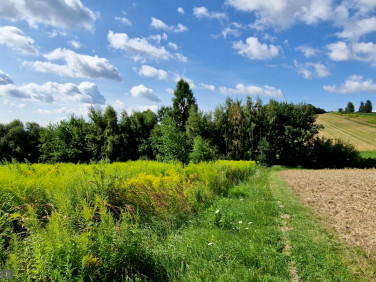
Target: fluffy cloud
{"points": [[363, 51], [339, 51], [76, 65], [241, 89], [255, 50], [208, 86], [158, 24], [119, 106], [173, 45], [153, 72], [51, 92], [14, 38], [309, 69], [308, 52], [5, 78], [353, 84], [144, 92], [123, 20], [69, 14], [181, 57], [137, 47], [282, 14], [202, 12], [354, 29], [180, 10], [75, 44]]}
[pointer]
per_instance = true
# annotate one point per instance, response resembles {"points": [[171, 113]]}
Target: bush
{"points": [[201, 151]]}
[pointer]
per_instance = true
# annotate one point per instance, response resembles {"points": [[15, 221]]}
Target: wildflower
{"points": [[246, 228], [250, 222], [240, 221], [210, 244], [241, 199], [217, 211]]}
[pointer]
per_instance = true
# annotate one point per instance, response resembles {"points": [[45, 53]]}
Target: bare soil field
{"points": [[345, 199]]}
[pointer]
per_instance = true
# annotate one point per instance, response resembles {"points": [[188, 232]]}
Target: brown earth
{"points": [[346, 199]]}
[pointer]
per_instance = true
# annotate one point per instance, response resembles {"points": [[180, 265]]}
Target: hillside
{"points": [[355, 129]]}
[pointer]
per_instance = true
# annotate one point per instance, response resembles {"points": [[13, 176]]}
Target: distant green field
{"points": [[367, 117], [357, 129]]}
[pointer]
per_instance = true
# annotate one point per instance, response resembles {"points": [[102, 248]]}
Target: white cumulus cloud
{"points": [[308, 52], [144, 92], [123, 20], [5, 78], [76, 65], [281, 14], [68, 14], [208, 86], [353, 84], [139, 48], [241, 89], [354, 29], [158, 24], [180, 10], [255, 50], [361, 51], [153, 72], [50, 92], [202, 12], [309, 69], [14, 38]]}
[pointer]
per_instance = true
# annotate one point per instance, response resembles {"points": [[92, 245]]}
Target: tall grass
{"points": [[69, 222]]}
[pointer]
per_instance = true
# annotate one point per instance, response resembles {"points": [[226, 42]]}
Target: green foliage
{"points": [[201, 151], [173, 143], [19, 142], [328, 153], [181, 103], [365, 108], [350, 108], [70, 222]]}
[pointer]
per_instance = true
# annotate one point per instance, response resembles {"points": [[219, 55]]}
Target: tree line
{"points": [[274, 133], [363, 108]]}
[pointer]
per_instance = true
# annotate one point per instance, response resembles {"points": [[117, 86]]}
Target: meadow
{"points": [[356, 129], [150, 221]]}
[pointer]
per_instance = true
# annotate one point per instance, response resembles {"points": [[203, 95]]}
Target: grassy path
{"points": [[315, 252], [357, 132]]}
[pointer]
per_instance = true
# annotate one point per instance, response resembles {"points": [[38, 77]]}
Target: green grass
{"points": [[317, 251], [368, 154], [232, 234], [351, 129]]}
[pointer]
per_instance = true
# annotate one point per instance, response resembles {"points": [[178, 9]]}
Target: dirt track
{"points": [[346, 199]]}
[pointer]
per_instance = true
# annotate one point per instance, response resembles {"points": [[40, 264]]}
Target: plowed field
{"points": [[346, 199]]}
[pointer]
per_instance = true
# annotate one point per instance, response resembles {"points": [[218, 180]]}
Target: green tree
{"points": [[65, 141], [361, 107], [95, 137], [202, 151], [182, 102], [368, 107], [172, 143], [111, 135], [349, 108]]}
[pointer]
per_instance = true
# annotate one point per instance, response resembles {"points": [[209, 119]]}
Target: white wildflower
{"points": [[240, 221]]}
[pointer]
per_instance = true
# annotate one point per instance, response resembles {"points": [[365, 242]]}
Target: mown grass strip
{"points": [[236, 239], [318, 254], [357, 132]]}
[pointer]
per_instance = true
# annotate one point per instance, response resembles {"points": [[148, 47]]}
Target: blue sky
{"points": [[58, 57]]}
